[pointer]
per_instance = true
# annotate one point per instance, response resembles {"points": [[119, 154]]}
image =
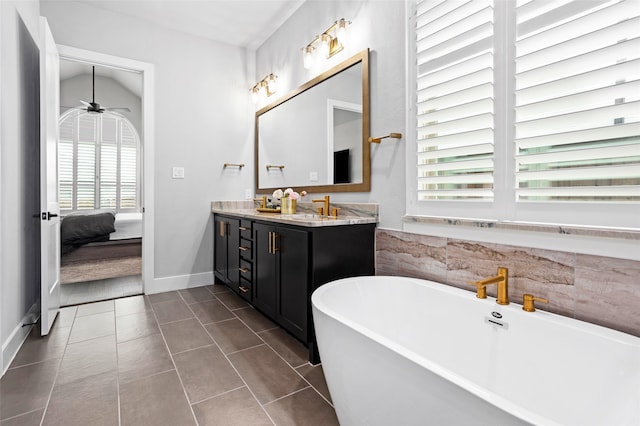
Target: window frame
{"points": [[504, 207], [97, 156]]}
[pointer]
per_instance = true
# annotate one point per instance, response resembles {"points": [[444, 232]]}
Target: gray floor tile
{"points": [[37, 348], [235, 408], [26, 388], [134, 326], [217, 288], [254, 319], [164, 297], [88, 358], [143, 357], [294, 352], [314, 375], [172, 310], [89, 401], [156, 400], [211, 311], [305, 407], [92, 326], [132, 305], [266, 374], [206, 372], [185, 335], [66, 316], [233, 335], [95, 308], [231, 300], [30, 419], [196, 294]]}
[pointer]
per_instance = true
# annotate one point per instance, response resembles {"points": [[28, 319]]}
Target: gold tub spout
{"points": [[502, 279]]}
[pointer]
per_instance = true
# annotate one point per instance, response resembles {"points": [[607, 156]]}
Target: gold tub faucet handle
{"points": [[528, 302]]}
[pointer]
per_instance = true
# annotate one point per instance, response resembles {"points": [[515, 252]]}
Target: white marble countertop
{"points": [[302, 218]]}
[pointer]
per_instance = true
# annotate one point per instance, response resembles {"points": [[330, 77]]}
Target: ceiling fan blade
{"points": [[117, 109], [85, 103]]}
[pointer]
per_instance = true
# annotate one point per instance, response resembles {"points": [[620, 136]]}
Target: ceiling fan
{"points": [[93, 106]]}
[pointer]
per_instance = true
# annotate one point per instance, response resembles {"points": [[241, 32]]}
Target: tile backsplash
{"points": [[597, 289]]}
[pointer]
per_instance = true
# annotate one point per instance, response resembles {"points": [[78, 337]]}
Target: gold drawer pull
{"points": [[243, 289], [244, 270], [244, 248], [244, 228]]}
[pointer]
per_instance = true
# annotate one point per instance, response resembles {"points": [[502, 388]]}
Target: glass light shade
{"points": [[341, 31], [308, 57], [325, 43], [272, 84], [254, 95]]}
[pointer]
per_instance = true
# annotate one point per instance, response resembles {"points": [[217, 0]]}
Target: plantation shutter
{"points": [[109, 163], [455, 119], [65, 165], [128, 167], [578, 100], [86, 162]]}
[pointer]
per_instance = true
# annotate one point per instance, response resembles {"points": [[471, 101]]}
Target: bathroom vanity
{"points": [[276, 261]]}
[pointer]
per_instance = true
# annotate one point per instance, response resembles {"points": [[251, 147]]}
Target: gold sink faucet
{"points": [[324, 210], [502, 279]]}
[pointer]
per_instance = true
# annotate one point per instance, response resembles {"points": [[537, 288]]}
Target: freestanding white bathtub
{"points": [[402, 351]]}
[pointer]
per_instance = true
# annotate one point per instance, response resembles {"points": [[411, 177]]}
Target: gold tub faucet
{"points": [[502, 279]]}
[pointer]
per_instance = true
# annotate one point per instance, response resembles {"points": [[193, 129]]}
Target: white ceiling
{"points": [[243, 23]]}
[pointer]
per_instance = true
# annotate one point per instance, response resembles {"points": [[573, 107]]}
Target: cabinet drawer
{"points": [[245, 229], [246, 249], [245, 289], [245, 270]]}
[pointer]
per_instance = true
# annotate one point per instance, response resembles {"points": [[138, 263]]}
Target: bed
{"points": [[100, 235]]}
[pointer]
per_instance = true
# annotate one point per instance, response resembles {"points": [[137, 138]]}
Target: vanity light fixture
{"points": [[330, 42], [265, 87]]}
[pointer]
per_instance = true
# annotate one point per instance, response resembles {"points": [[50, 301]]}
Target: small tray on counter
{"points": [[267, 210]]}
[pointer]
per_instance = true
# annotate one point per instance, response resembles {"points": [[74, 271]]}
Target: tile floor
{"points": [[198, 356]]}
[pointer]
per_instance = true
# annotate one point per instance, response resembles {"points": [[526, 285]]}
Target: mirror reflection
{"points": [[315, 136]]}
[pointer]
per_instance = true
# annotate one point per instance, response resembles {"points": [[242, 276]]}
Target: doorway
{"points": [[105, 176]]}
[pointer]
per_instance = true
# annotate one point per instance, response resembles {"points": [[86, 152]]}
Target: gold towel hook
{"points": [[390, 135]]}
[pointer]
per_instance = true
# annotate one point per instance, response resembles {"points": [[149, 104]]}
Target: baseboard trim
{"points": [[179, 282], [19, 334]]}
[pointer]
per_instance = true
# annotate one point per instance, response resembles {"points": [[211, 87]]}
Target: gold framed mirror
{"points": [[315, 138]]}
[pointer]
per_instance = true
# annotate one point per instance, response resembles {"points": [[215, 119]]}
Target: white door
{"points": [[49, 207]]}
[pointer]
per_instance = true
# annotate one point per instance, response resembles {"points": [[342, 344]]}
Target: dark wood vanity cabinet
{"points": [[281, 275], [226, 261], [288, 262]]}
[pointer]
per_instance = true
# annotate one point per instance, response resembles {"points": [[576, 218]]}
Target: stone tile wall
{"points": [[597, 289]]}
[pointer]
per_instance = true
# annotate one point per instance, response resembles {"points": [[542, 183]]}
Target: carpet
{"points": [[73, 272]]}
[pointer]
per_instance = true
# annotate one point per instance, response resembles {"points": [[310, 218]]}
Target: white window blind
{"points": [[577, 94], [455, 57], [97, 162]]}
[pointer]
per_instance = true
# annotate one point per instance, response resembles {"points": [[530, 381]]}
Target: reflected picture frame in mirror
{"points": [[308, 139]]}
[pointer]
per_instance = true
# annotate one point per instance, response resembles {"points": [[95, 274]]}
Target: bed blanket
{"points": [[76, 230]]}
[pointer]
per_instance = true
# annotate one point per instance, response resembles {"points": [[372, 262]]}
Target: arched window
{"points": [[98, 162]]}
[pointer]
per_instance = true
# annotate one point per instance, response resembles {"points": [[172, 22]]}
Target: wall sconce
{"points": [[330, 42], [265, 87]]}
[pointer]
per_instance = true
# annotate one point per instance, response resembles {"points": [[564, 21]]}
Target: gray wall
{"points": [[19, 171], [202, 120], [380, 26], [109, 93]]}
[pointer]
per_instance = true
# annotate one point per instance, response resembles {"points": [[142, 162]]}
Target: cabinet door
{"points": [[264, 265], [220, 248], [293, 271]]}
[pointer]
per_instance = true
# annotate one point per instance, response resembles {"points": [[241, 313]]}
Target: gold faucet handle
{"points": [[528, 302], [320, 211], [334, 211], [481, 289]]}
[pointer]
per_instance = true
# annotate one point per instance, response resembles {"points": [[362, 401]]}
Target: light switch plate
{"points": [[313, 176], [178, 173], [248, 195]]}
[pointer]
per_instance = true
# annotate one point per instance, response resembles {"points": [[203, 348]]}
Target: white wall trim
{"points": [[19, 334], [147, 149], [180, 282]]}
